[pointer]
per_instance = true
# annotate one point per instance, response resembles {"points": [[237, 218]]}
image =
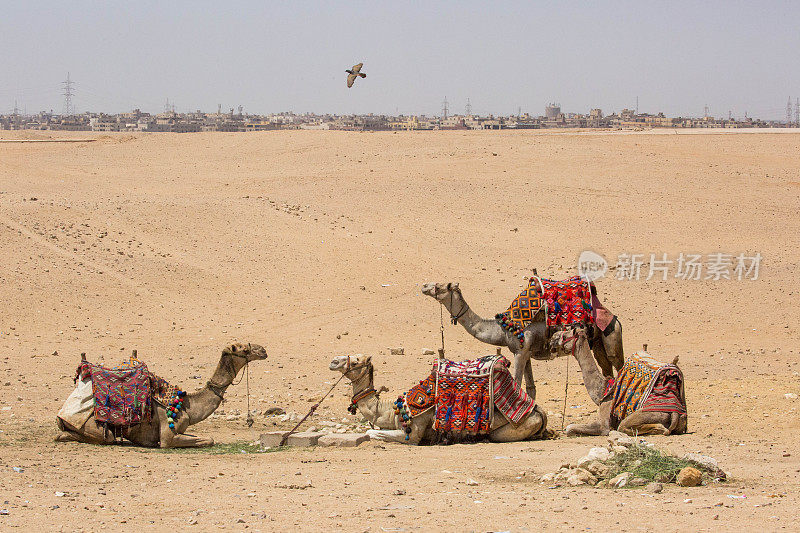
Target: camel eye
{"points": [[233, 348]]}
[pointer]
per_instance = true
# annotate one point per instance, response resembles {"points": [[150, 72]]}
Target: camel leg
{"points": [[653, 423], [600, 426], [612, 344], [530, 386], [68, 436], [531, 427], [600, 355], [169, 439], [90, 433], [389, 435]]}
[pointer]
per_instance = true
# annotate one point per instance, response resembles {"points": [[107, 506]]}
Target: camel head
{"points": [[249, 352], [352, 366], [440, 291], [565, 341]]}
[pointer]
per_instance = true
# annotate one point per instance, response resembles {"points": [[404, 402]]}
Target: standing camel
{"points": [[197, 406], [664, 416], [608, 351], [382, 414]]}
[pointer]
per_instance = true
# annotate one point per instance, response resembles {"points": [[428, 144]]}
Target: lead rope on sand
{"points": [[249, 419]]}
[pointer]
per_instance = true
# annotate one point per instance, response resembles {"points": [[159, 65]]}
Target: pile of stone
{"points": [[596, 468], [273, 439]]}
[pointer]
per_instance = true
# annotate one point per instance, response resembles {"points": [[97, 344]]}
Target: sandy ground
{"points": [[315, 244]]}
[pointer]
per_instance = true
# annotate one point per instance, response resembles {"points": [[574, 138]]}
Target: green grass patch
{"points": [[652, 464], [228, 448]]}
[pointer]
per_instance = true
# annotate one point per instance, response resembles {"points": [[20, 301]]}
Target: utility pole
{"points": [[637, 105], [705, 111], [445, 109], [789, 112], [69, 109], [468, 109]]}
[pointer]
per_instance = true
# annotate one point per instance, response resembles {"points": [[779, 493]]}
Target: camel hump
{"points": [[675, 361]]}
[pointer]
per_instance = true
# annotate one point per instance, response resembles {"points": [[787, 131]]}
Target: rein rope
{"points": [[574, 340], [464, 307], [314, 407]]}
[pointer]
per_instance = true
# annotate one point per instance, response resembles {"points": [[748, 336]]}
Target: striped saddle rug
{"points": [[644, 384], [464, 395], [566, 303]]}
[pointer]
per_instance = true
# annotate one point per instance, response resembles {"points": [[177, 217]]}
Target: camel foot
{"points": [[66, 436], [387, 435], [187, 441]]}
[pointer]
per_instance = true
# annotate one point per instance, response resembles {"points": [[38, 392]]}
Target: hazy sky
{"points": [[291, 56]]}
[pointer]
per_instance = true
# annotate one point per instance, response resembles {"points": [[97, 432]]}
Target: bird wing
{"points": [[350, 79], [357, 68]]}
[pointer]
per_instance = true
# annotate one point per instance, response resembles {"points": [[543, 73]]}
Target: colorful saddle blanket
{"points": [[465, 394], [121, 397], [124, 395], [648, 385], [568, 302], [163, 391]]}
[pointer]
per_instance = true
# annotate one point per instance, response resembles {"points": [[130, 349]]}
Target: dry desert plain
{"points": [[315, 244]]}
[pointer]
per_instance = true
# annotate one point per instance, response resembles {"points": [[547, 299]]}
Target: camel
{"points": [[638, 422], [608, 352], [381, 413], [197, 406]]}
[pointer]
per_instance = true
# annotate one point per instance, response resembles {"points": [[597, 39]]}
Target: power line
{"points": [[69, 109]]}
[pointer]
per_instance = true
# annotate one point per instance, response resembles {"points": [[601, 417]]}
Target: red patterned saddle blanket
{"points": [[124, 395], [464, 395], [567, 302]]}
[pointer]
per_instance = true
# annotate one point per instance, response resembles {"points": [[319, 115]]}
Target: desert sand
{"points": [[316, 244]]}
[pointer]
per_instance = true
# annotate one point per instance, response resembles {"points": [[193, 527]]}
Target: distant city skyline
{"points": [[675, 58]]}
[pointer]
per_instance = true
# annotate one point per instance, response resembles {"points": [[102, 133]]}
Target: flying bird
{"points": [[354, 73]]}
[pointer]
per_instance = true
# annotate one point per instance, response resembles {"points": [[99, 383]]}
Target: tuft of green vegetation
{"points": [[651, 464], [228, 448]]}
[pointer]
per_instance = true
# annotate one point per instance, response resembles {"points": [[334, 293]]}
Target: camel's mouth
{"points": [[429, 289], [257, 352]]}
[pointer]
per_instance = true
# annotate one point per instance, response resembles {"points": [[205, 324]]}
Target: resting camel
{"points": [[608, 352], [359, 370], [638, 422], [197, 406]]}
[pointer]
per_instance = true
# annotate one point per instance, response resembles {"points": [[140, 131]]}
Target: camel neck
{"points": [[201, 404], [379, 412], [592, 378], [485, 330]]}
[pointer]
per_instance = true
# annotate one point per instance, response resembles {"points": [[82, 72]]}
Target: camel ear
{"points": [[368, 359], [455, 286]]}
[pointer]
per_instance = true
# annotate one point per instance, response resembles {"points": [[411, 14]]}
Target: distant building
{"points": [[552, 111]]}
